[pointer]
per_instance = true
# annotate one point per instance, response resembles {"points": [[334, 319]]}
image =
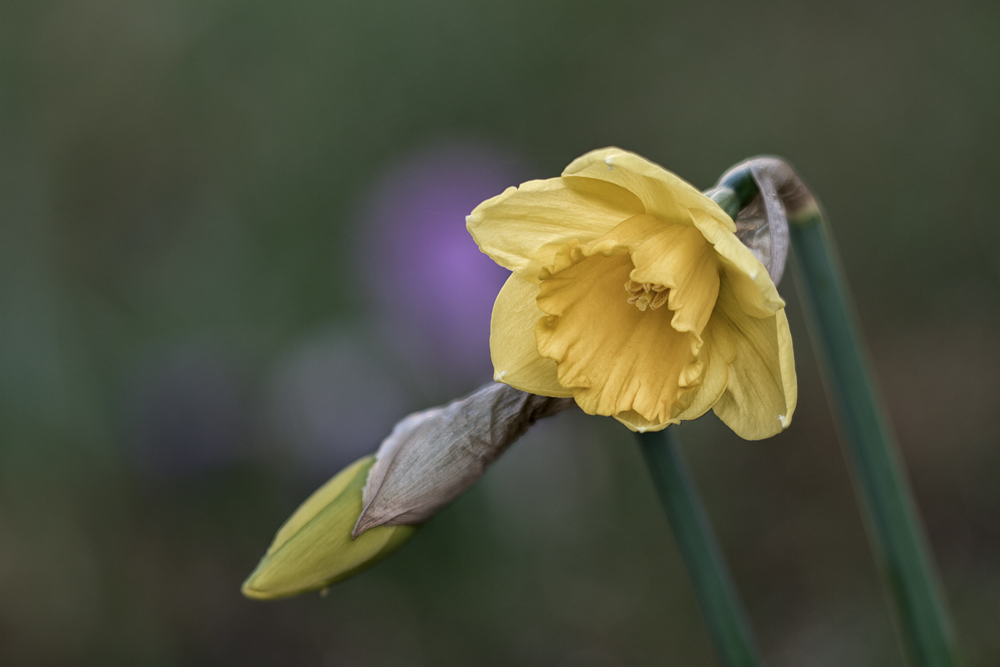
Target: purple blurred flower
{"points": [[432, 288]]}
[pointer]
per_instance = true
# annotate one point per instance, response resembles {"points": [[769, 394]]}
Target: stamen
{"points": [[646, 295]]}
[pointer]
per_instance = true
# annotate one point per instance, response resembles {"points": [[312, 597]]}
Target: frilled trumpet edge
{"points": [[432, 457]]}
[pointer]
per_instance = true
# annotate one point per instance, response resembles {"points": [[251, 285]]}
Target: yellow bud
{"points": [[315, 549]]}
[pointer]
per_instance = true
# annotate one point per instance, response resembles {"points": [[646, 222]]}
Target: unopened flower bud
{"points": [[315, 547], [367, 510], [433, 456]]}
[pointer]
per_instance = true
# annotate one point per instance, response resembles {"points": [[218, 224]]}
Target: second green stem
{"points": [[713, 586]]}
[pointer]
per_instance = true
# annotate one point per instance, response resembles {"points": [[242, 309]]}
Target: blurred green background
{"points": [[213, 221]]}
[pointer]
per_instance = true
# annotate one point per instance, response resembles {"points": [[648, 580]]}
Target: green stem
{"points": [[727, 622], [893, 523], [735, 191]]}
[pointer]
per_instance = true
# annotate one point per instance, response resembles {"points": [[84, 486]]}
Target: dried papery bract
{"points": [[433, 456], [782, 180], [762, 225]]}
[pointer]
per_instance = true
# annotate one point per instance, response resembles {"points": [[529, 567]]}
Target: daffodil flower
{"points": [[631, 293]]}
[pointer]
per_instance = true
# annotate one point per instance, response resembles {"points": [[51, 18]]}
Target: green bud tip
{"points": [[314, 548]]}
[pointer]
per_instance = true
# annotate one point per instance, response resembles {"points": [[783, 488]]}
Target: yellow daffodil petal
{"points": [[751, 283], [616, 358], [522, 228], [662, 193], [762, 391], [512, 341], [676, 256]]}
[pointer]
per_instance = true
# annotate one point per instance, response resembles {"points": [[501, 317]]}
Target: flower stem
{"points": [[735, 190], [713, 585], [893, 523]]}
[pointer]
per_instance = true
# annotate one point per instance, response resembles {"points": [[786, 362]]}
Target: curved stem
{"points": [[735, 190], [893, 523]]}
